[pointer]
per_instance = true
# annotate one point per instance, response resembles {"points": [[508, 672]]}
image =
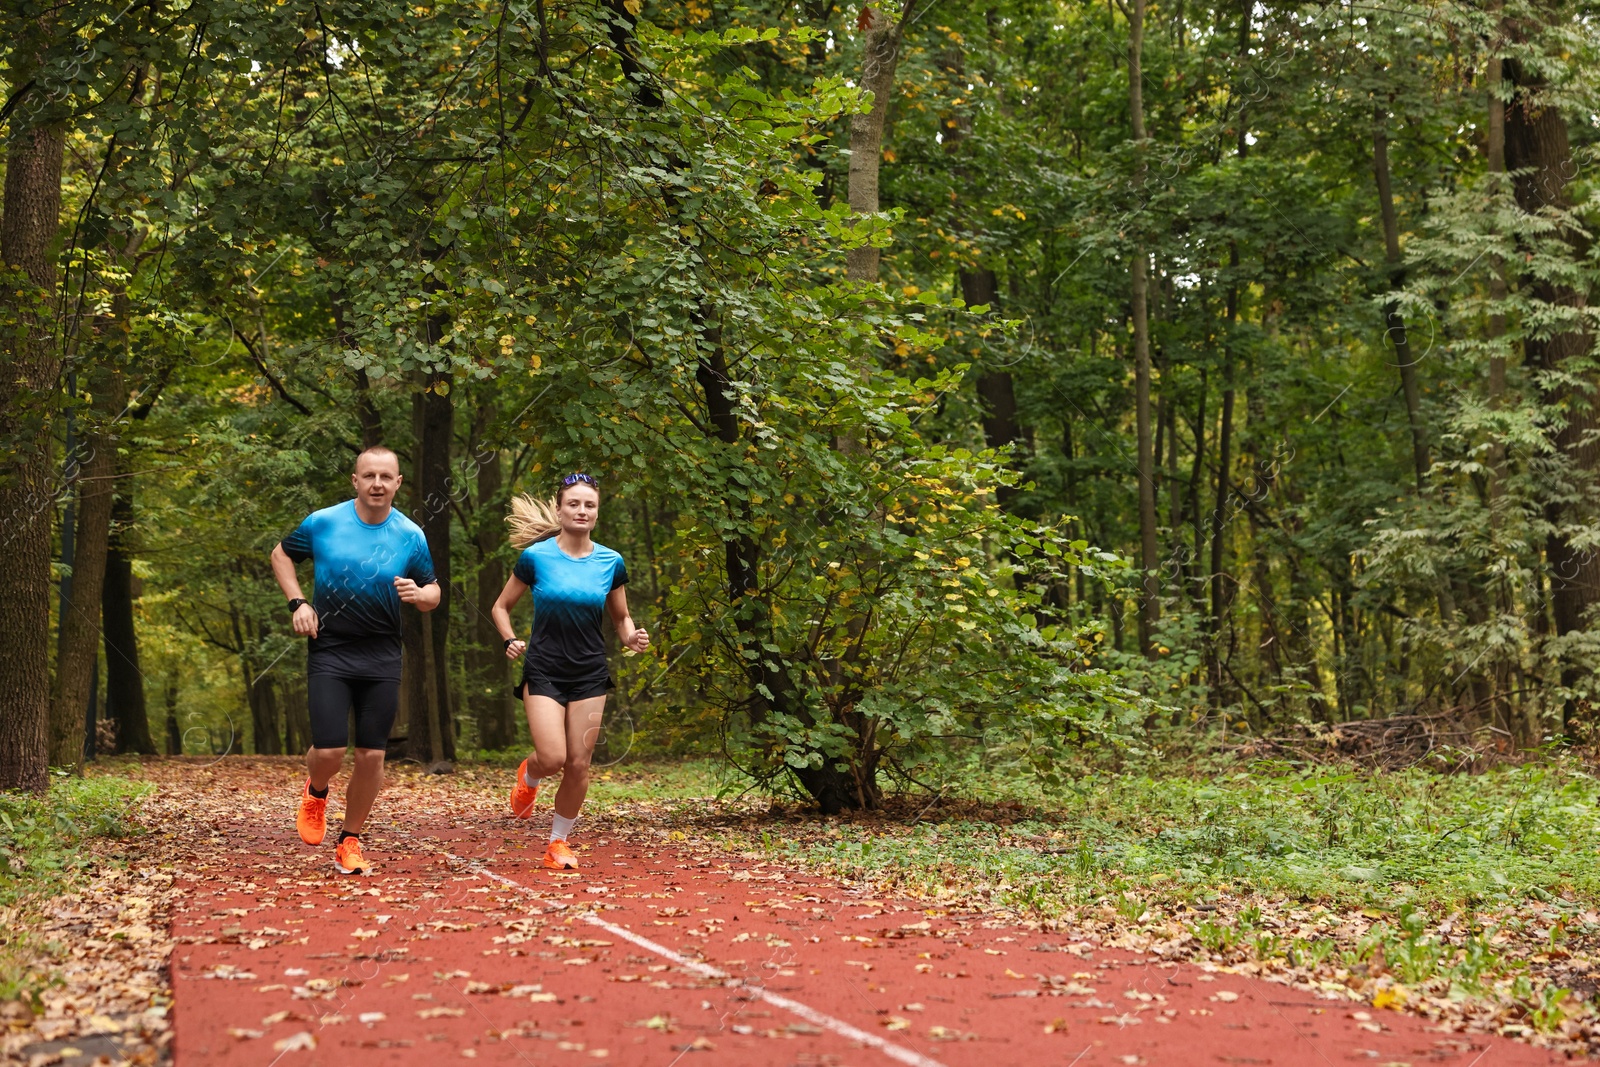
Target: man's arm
{"points": [[419, 586], [421, 597], [305, 617]]}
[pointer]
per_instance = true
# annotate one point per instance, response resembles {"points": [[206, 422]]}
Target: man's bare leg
{"points": [[365, 782]]}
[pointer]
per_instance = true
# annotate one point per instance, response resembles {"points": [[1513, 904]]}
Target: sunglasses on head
{"points": [[574, 479]]}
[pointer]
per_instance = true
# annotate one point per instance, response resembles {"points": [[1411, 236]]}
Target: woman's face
{"points": [[580, 506]]}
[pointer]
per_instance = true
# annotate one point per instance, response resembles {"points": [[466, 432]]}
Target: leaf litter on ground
{"points": [[1218, 870]]}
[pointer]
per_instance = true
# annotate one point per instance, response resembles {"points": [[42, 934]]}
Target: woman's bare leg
{"points": [[583, 731]]}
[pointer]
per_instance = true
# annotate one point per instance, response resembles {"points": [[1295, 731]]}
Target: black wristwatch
{"points": [[507, 643], [294, 605]]}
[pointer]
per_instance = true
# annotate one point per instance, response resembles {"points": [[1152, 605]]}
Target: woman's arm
{"points": [[501, 614], [632, 637]]}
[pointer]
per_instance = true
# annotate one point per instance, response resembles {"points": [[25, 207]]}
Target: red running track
{"points": [[461, 947]]}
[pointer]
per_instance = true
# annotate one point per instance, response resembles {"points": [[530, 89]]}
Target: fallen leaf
{"points": [[304, 1040], [1393, 997]]}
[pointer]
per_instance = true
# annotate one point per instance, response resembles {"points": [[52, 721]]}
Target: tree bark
{"points": [[1218, 580], [1497, 278], [487, 662], [1139, 294], [1536, 145], [1503, 709], [367, 414], [1395, 322], [29, 364], [880, 60], [1221, 583], [79, 633], [433, 415], [996, 390], [174, 735], [125, 697]]}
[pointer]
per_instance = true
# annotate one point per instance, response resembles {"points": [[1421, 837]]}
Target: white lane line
{"points": [[811, 1015]]}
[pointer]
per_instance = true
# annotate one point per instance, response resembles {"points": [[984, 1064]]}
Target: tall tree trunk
{"points": [[125, 697], [880, 60], [29, 364], [367, 414], [296, 715], [1503, 706], [79, 634], [1536, 144], [1395, 322], [1497, 278], [996, 391], [434, 418], [174, 734], [487, 662], [1139, 293], [1220, 581], [997, 396]]}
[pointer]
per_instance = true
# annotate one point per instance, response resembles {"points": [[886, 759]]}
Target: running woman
{"points": [[565, 677], [368, 559]]}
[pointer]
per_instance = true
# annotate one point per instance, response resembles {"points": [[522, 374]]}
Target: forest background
{"points": [[1007, 377]]}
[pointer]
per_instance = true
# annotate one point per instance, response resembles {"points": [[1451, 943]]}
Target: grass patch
{"points": [[42, 855], [1447, 886], [1314, 834]]}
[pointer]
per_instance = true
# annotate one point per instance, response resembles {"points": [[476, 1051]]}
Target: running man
{"points": [[368, 559], [565, 677]]}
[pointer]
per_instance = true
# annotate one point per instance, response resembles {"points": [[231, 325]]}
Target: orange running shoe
{"points": [[312, 818], [522, 794], [349, 859], [559, 857]]}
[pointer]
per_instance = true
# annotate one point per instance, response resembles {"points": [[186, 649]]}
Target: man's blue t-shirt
{"points": [[358, 610], [569, 601]]}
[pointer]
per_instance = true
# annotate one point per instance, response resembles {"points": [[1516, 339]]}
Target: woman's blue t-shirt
{"points": [[569, 601]]}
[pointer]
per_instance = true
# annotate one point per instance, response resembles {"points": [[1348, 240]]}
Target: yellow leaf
{"points": [[1392, 997]]}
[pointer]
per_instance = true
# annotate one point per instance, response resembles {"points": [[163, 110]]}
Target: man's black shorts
{"points": [[375, 702], [565, 690]]}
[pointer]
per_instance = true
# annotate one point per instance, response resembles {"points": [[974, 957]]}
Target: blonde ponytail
{"points": [[532, 520]]}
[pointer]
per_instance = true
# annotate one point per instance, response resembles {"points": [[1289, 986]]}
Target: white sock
{"points": [[561, 826], [532, 783]]}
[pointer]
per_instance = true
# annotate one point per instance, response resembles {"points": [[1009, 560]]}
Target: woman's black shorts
{"points": [[565, 690], [331, 698]]}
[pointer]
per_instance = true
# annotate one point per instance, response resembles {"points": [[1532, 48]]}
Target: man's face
{"points": [[376, 479]]}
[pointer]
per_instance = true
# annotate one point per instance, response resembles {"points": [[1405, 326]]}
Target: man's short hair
{"points": [[378, 451]]}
